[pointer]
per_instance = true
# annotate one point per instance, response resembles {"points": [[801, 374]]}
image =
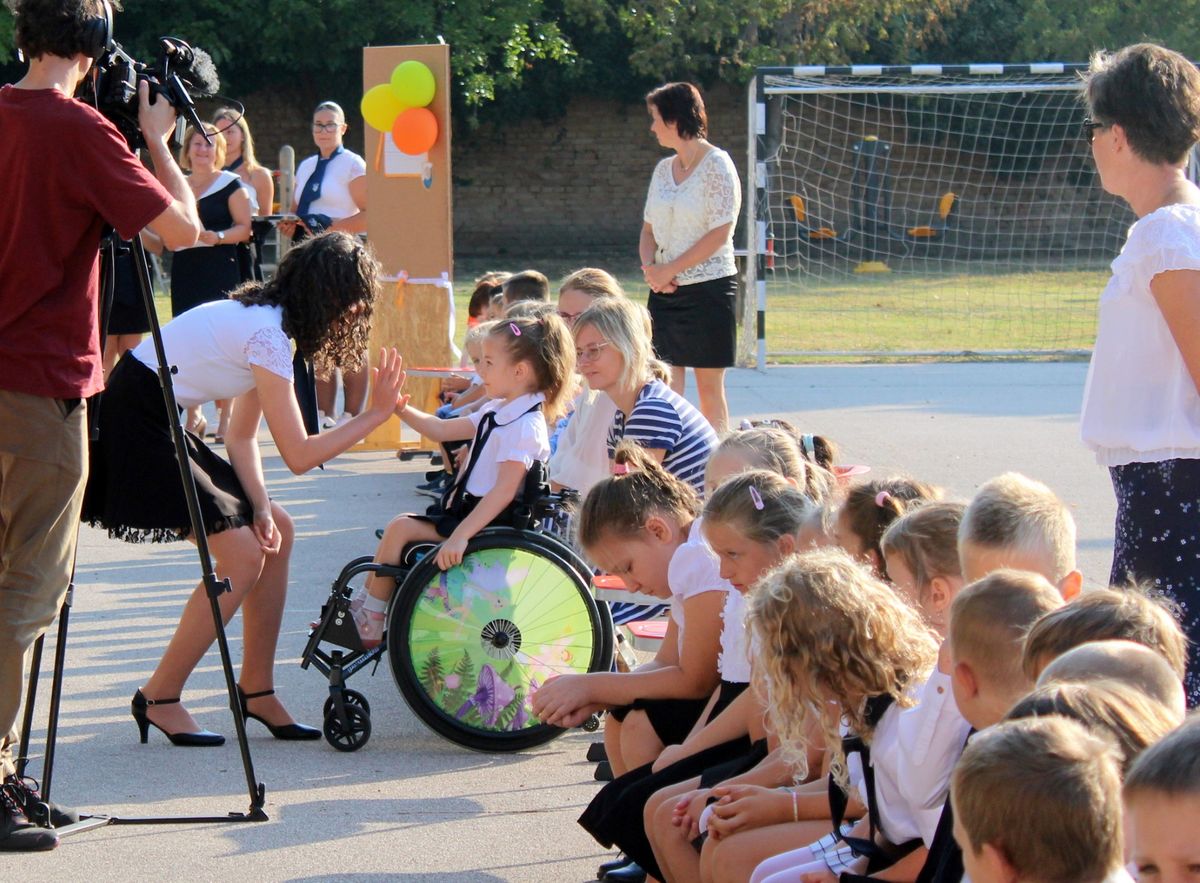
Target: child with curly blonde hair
{"points": [[839, 653]]}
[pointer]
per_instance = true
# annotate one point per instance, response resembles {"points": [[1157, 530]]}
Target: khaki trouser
{"points": [[43, 467]]}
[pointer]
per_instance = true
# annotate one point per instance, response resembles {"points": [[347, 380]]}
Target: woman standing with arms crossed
{"points": [[686, 248], [331, 194], [1141, 408]]}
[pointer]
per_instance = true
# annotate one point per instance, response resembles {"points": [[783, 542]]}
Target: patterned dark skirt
{"points": [[1158, 542]]}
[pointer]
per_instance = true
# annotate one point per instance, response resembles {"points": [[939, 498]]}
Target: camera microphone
{"points": [[194, 66]]}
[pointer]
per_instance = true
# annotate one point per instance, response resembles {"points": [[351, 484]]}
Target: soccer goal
{"points": [[925, 210]]}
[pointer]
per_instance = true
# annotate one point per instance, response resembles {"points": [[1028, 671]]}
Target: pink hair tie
{"points": [[756, 497], [881, 498], [512, 326], [620, 469]]}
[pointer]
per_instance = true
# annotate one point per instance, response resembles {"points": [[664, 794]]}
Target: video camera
{"points": [[179, 72]]}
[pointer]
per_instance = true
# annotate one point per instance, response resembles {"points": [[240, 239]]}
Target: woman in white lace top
{"points": [[238, 348], [686, 248], [1141, 407]]}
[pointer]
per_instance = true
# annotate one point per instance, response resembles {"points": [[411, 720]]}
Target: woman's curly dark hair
{"points": [[54, 27], [319, 284]]}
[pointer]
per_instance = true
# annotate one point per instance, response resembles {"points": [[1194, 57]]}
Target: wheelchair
{"points": [[468, 646]]}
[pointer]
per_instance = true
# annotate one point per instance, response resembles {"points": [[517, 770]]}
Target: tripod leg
{"points": [[35, 665], [60, 658]]}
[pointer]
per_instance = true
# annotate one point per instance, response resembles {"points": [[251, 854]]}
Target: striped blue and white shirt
{"points": [[663, 419]]}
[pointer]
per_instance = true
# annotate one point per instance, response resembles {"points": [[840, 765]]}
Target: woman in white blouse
{"points": [[686, 248], [238, 348], [1141, 409]]}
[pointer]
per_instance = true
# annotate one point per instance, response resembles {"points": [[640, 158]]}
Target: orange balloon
{"points": [[415, 130]]}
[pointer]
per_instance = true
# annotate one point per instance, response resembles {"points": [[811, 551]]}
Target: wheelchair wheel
{"points": [[351, 737], [469, 645], [349, 697]]}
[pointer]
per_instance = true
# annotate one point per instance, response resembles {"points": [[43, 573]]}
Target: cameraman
{"points": [[66, 172]]}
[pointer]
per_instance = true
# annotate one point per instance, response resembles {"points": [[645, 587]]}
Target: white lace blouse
{"points": [[1140, 404], [214, 346], [680, 214]]}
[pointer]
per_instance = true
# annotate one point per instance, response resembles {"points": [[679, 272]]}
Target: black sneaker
{"points": [[17, 833], [26, 791]]}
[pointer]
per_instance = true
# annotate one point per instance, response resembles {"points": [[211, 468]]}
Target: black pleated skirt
{"points": [[695, 326], [134, 488]]}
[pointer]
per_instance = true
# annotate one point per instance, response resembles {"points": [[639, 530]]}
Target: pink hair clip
{"points": [[620, 469], [757, 498], [512, 326], [881, 498]]}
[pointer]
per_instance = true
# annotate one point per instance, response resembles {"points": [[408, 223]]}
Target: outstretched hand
{"points": [[387, 380]]}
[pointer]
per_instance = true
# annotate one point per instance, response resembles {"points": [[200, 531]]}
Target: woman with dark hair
{"points": [[1141, 408], [686, 248], [238, 348]]}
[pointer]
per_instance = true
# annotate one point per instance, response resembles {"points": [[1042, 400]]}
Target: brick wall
{"points": [[571, 187]]}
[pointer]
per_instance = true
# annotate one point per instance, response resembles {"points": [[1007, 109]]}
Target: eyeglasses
{"points": [[1089, 129], [326, 127], [569, 318], [590, 353]]}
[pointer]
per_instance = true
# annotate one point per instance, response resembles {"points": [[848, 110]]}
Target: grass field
{"points": [[880, 316]]}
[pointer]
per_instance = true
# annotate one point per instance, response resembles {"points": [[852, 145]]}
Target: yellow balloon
{"points": [[413, 84], [380, 107]]}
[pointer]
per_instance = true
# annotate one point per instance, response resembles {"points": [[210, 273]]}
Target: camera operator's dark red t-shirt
{"points": [[65, 171]]}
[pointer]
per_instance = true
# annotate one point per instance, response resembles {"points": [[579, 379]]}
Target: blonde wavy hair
{"points": [[830, 636]]}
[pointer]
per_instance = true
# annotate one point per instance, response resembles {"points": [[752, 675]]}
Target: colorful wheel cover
{"points": [[485, 634]]}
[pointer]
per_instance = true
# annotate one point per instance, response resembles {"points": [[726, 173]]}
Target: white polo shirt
{"points": [[335, 200]]}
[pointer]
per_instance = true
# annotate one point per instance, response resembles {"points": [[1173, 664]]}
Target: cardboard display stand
{"points": [[410, 229]]}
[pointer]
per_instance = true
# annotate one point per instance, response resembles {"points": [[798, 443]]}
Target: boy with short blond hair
{"points": [[1016, 522], [988, 623], [1107, 615], [1039, 800]]}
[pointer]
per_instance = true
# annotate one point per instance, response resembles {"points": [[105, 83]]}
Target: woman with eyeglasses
{"points": [[580, 457], [1141, 408], [614, 354], [331, 194]]}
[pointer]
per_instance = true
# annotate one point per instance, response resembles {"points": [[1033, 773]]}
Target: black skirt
{"points": [[134, 489], [695, 327], [128, 312]]}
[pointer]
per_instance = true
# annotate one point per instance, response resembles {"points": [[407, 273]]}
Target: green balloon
{"points": [[413, 84]]}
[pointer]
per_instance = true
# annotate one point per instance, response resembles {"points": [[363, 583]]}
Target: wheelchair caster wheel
{"points": [[591, 724], [349, 738], [349, 697]]}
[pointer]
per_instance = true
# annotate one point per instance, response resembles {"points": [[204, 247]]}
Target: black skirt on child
{"points": [[134, 489], [615, 814]]}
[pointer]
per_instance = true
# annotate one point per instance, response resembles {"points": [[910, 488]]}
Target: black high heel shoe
{"points": [[138, 709], [287, 732]]}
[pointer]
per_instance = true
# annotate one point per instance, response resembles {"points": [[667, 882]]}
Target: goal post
{"points": [[924, 210]]}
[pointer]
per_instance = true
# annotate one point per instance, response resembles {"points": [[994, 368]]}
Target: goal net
{"points": [[927, 210]]}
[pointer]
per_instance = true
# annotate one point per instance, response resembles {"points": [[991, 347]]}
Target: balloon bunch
{"points": [[400, 107]]}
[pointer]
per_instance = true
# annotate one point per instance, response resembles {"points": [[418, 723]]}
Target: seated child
{"points": [[526, 285], [751, 522], [1107, 614], [867, 510], [1015, 522], [1124, 661], [1162, 807], [988, 622], [841, 648], [1039, 800], [1109, 708], [641, 524], [473, 349], [526, 367]]}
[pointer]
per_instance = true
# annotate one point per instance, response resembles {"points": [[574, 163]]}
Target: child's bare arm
{"points": [[434, 427], [733, 721]]}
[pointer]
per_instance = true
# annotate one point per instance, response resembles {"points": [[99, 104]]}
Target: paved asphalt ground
{"points": [[410, 806]]}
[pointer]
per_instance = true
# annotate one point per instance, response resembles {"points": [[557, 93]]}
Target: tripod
{"points": [[213, 587]]}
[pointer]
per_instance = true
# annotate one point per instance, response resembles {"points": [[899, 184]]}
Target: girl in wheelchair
{"points": [[526, 369]]}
